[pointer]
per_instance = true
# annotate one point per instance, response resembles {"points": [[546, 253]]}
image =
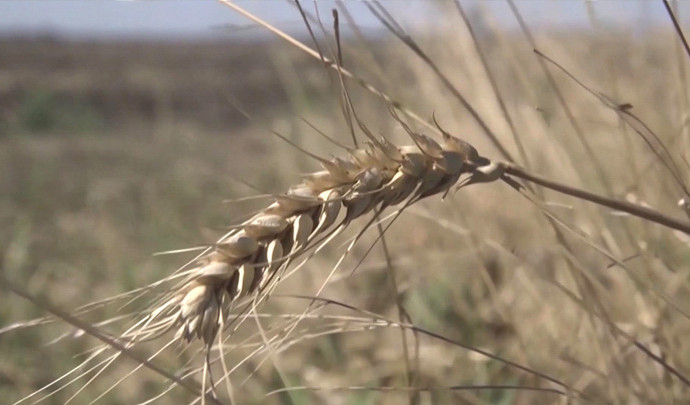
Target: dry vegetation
{"points": [[110, 152]]}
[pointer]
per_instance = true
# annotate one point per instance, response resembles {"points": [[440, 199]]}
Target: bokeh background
{"points": [[125, 125]]}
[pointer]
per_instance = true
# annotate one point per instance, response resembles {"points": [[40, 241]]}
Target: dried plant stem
{"points": [[570, 390], [327, 62], [677, 27], [382, 15], [494, 85], [417, 390], [633, 209], [577, 128]]}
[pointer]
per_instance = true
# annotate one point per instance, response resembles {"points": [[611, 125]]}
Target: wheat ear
{"points": [[248, 261]]}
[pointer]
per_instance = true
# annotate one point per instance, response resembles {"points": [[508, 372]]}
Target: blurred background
{"points": [[124, 125]]}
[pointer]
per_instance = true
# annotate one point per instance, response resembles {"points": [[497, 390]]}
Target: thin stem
{"points": [[579, 132], [382, 15], [677, 27], [494, 84], [633, 209], [346, 73]]}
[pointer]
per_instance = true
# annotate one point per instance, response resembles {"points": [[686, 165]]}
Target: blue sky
{"points": [[205, 18]]}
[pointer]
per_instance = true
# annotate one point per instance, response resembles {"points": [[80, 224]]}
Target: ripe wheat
{"points": [[249, 261]]}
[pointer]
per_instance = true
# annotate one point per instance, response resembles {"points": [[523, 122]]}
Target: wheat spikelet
{"points": [[249, 261]]}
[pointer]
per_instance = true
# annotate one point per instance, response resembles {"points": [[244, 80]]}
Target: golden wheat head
{"points": [[248, 261]]}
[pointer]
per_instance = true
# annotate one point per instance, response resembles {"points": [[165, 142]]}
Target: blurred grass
{"points": [[141, 158]]}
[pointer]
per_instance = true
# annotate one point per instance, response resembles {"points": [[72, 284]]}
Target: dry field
{"points": [[110, 152]]}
